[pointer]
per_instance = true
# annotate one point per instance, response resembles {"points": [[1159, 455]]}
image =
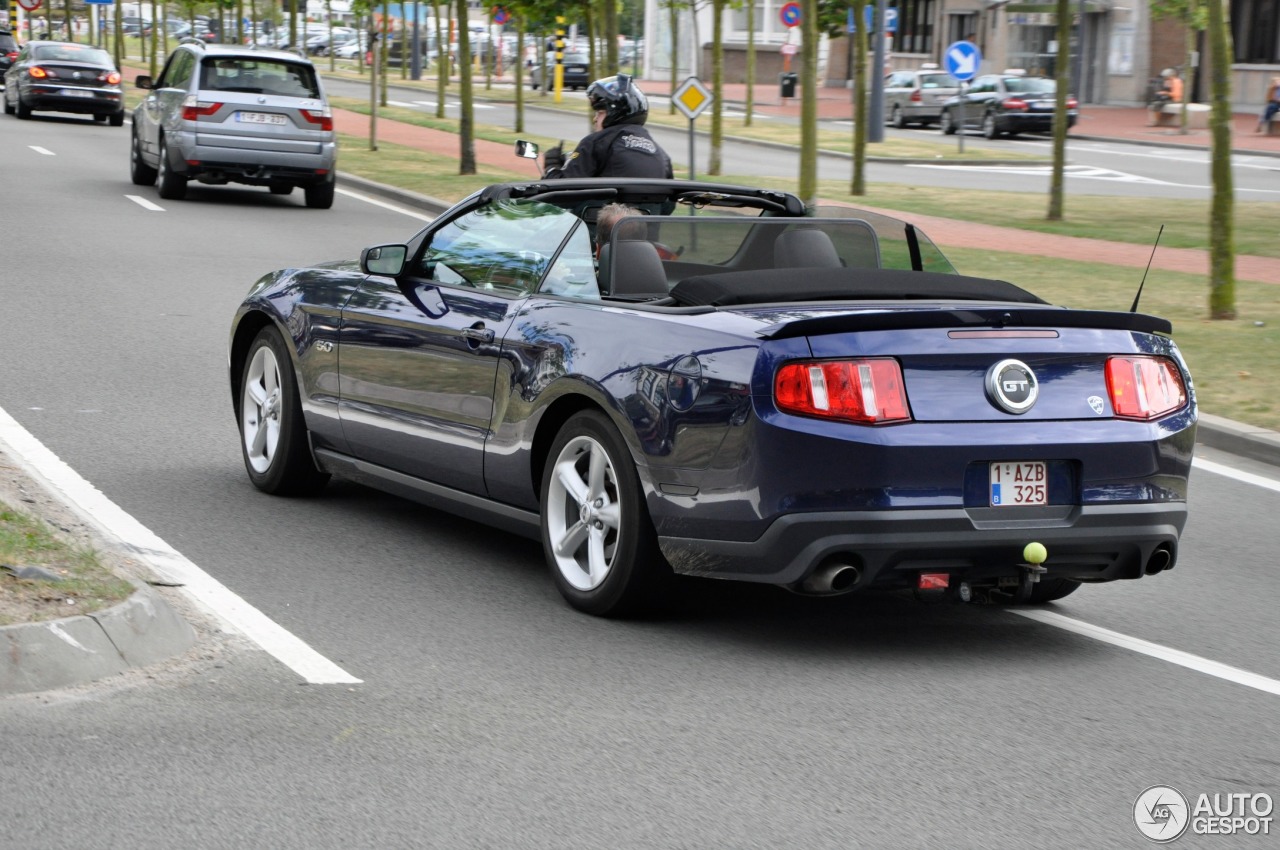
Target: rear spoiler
{"points": [[1019, 316]]}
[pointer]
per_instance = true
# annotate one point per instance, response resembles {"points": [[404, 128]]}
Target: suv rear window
{"points": [[259, 76], [7, 44]]}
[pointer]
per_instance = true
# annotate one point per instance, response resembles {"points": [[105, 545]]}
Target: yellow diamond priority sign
{"points": [[692, 98]]}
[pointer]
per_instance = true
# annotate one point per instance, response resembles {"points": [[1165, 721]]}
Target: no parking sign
{"points": [[790, 14]]}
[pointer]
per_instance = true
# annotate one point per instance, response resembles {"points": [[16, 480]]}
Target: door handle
{"points": [[478, 333]]}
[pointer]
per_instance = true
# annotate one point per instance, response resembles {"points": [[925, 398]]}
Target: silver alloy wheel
{"points": [[260, 409], [583, 513]]}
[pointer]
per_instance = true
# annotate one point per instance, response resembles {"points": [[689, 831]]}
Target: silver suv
{"points": [[224, 114]]}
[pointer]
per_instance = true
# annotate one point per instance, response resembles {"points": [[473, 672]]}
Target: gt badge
{"points": [[1012, 386]]}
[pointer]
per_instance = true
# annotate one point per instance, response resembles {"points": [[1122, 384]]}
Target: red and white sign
{"points": [[30, 5]]}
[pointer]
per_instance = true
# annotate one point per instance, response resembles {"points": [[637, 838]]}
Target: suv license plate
{"points": [[261, 118], [1020, 483]]}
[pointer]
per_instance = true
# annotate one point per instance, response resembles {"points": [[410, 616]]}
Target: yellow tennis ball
{"points": [[1035, 553]]}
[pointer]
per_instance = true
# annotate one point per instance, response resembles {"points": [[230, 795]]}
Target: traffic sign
{"points": [[692, 98], [962, 60], [29, 5], [890, 19], [790, 14], [500, 15]]}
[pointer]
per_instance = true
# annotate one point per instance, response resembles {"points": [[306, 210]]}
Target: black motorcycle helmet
{"points": [[620, 99]]}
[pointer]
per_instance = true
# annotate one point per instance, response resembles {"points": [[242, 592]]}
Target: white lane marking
{"points": [[167, 562], [144, 203], [1238, 475], [384, 205], [43, 151], [1154, 650], [1046, 170]]}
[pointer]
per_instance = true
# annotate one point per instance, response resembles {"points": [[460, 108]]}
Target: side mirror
{"points": [[144, 82], [384, 260], [526, 150]]}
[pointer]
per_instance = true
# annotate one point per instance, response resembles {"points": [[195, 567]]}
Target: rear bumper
{"points": [[1093, 543], [44, 98], [256, 167]]}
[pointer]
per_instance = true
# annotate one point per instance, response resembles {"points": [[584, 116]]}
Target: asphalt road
{"points": [[491, 715], [1099, 168]]}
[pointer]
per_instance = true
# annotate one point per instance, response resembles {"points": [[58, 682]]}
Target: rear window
{"points": [[72, 53], [936, 81], [259, 76], [1030, 85], [7, 44]]}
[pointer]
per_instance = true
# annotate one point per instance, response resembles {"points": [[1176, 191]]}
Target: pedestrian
{"points": [[1170, 91], [1273, 103], [619, 145]]}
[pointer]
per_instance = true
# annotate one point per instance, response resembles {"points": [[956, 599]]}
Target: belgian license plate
{"points": [[261, 118], [75, 93], [1019, 483]]}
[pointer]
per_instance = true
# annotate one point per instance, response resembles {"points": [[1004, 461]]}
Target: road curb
{"points": [[76, 650]]}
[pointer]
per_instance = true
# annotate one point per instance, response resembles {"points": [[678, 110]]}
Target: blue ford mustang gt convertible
{"points": [[730, 387]]}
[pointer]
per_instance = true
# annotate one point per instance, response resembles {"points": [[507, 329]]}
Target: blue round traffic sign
{"points": [[500, 15], [962, 60], [790, 14]]}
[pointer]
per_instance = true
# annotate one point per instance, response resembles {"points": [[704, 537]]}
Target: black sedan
{"points": [[1006, 104], [577, 71], [56, 76], [819, 403]]}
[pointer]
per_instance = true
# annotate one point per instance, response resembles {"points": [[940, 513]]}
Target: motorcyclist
{"points": [[620, 146]]}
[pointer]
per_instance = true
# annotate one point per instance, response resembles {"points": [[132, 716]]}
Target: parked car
{"points": [[8, 51], [916, 96], [222, 114], [819, 403], [577, 71], [1007, 104], [321, 43], [55, 76]]}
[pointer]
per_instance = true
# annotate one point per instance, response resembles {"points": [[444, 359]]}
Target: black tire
{"points": [[281, 188], [320, 195], [273, 434], [172, 187], [139, 172], [597, 536], [117, 119], [100, 118], [896, 118], [989, 129], [24, 111], [1050, 589], [945, 123], [8, 107]]}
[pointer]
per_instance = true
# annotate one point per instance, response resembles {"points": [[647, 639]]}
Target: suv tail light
{"points": [[1144, 387], [323, 117], [12, 55], [868, 391], [1015, 104], [192, 108]]}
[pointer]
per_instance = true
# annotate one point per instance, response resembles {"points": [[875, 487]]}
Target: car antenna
{"points": [[1134, 308]]}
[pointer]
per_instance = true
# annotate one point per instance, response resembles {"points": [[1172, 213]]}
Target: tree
{"points": [[673, 21], [466, 120], [1062, 62], [751, 62], [717, 83], [858, 181], [1222, 283]]}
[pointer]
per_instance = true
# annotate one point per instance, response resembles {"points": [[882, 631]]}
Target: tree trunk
{"points": [[809, 103], [717, 85], [517, 67], [1063, 79], [858, 182], [610, 27], [673, 22], [442, 58], [466, 123], [1222, 282], [751, 61]]}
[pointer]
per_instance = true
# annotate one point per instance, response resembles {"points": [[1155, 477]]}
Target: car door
{"points": [[419, 355], [164, 99], [981, 94]]}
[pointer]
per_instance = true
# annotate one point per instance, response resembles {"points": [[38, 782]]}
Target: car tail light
{"points": [[1143, 387], [12, 56], [916, 97], [867, 391], [111, 78], [192, 109], [323, 117], [36, 72], [1014, 104], [1072, 103]]}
